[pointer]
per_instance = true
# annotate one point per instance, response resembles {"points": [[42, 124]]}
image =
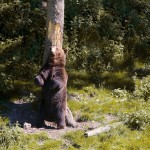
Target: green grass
{"points": [[89, 103], [12, 138], [121, 79], [119, 138]]}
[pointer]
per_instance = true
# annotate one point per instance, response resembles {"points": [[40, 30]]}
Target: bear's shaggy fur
{"points": [[53, 80]]}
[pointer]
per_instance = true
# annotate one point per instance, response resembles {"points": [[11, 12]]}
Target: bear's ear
{"points": [[65, 50]]}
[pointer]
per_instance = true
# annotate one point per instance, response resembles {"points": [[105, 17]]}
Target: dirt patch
{"points": [[21, 112], [54, 133]]}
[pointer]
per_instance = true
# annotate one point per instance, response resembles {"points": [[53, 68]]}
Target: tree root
{"points": [[70, 119]]}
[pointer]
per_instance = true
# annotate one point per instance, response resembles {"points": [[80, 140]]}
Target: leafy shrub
{"points": [[137, 120], [26, 23], [22, 69], [30, 98], [12, 137], [142, 90], [6, 82], [3, 120], [9, 135], [120, 93], [114, 30]]}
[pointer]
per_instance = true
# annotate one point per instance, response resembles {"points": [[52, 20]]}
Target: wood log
{"points": [[102, 129]]}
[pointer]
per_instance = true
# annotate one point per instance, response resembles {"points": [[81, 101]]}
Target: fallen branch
{"points": [[102, 129]]}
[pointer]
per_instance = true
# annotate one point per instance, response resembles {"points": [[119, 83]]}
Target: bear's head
{"points": [[57, 57]]}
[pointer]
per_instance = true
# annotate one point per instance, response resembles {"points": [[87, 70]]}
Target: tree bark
{"points": [[54, 26], [54, 38]]}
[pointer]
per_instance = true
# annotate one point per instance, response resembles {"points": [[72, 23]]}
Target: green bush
{"points": [[6, 82], [22, 69], [9, 135], [137, 120], [114, 30], [3, 120], [142, 90], [120, 93], [25, 23]]}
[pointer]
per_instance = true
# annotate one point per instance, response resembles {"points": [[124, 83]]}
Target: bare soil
{"points": [[22, 112]]}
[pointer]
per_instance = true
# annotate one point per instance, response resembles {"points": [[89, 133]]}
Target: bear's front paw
{"points": [[60, 127]]}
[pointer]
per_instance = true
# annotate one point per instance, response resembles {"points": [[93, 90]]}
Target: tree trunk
{"points": [[54, 26], [54, 38]]}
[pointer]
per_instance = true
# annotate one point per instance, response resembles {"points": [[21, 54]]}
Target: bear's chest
{"points": [[54, 95]]}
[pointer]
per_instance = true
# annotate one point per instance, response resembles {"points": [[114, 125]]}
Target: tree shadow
{"points": [[19, 112], [24, 112]]}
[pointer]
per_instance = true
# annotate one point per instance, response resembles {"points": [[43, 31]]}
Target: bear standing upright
{"points": [[53, 80]]}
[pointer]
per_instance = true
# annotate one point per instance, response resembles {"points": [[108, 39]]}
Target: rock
{"points": [[26, 126]]}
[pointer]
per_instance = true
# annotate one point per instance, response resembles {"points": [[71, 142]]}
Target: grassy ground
{"points": [[89, 103]]}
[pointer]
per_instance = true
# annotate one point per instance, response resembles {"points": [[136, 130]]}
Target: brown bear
{"points": [[53, 80]]}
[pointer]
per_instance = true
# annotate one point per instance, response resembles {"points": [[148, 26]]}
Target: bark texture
{"points": [[54, 26]]}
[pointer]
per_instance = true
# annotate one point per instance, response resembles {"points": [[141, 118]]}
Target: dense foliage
{"points": [[111, 35], [102, 36]]}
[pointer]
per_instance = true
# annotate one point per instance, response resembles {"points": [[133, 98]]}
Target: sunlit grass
{"points": [[116, 139], [12, 137]]}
